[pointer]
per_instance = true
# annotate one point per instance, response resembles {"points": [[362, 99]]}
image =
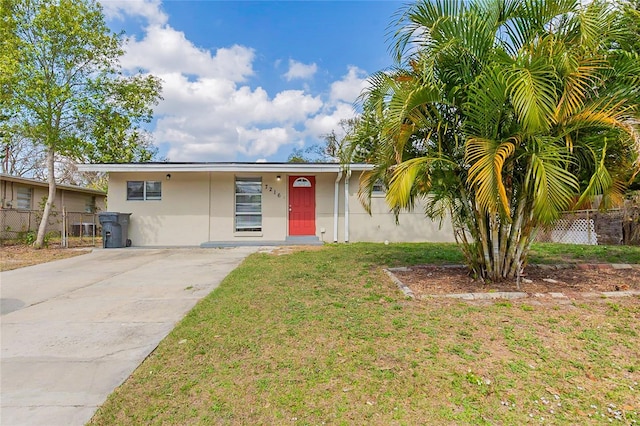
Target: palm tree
{"points": [[502, 114]]}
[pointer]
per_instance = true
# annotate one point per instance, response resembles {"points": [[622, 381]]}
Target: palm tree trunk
{"points": [[470, 245], [511, 262], [505, 228], [524, 243], [484, 240], [494, 222], [51, 178]]}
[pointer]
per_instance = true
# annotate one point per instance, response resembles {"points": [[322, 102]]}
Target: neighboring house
{"points": [[20, 193], [22, 201], [209, 204]]}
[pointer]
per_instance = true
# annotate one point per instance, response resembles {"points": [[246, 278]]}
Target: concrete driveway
{"points": [[73, 330]]}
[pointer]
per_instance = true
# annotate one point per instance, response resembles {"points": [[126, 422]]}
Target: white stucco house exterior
{"points": [[209, 204]]}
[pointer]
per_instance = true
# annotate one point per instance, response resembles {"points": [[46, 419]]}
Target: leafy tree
{"points": [[502, 114], [631, 19], [69, 94], [328, 152], [299, 155], [9, 62], [20, 156]]}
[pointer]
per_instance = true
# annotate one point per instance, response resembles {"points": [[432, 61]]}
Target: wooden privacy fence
{"points": [[71, 229]]}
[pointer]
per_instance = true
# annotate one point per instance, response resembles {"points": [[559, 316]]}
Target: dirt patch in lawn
{"points": [[570, 280], [14, 257]]}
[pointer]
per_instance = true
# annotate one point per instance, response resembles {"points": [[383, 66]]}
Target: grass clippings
{"points": [[324, 337]]}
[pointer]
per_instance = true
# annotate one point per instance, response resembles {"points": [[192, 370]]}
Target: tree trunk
{"points": [[51, 179]]}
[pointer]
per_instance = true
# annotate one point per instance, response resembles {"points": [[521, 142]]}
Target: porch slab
{"points": [[290, 241]]}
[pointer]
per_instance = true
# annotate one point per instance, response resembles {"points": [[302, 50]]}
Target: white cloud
{"points": [[209, 112], [214, 119], [298, 70], [264, 142], [350, 86], [150, 10], [323, 124], [165, 50]]}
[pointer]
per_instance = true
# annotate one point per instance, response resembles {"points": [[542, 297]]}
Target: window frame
{"points": [[90, 204], [381, 191], [245, 196], [21, 191], [154, 191], [145, 196]]}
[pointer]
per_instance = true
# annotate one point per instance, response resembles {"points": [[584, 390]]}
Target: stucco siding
{"points": [[199, 207], [325, 184], [381, 224], [180, 218], [274, 208]]}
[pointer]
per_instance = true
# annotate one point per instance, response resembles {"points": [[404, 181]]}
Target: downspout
{"points": [[346, 206], [336, 194]]}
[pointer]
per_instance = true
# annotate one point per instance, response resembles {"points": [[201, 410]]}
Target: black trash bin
{"points": [[115, 229]]}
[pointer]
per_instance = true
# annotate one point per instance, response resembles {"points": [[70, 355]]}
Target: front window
{"points": [[248, 204], [378, 188], [153, 190], [23, 198], [90, 205], [144, 190]]}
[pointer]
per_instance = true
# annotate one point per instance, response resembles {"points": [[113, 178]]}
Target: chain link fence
{"points": [[65, 229]]}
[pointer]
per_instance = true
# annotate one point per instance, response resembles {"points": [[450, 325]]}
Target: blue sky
{"points": [[252, 80]]}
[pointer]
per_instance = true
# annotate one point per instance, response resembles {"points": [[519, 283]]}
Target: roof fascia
{"points": [[34, 182], [224, 167]]}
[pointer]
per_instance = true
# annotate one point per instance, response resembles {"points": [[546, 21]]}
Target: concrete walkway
{"points": [[73, 330]]}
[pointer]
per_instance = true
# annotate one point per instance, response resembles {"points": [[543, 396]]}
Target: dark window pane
{"points": [[135, 190], [154, 190], [378, 187]]}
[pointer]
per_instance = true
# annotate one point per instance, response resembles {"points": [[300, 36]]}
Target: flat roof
{"points": [[224, 167], [36, 182]]}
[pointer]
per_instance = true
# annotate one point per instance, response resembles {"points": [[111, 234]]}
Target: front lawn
{"points": [[323, 337]]}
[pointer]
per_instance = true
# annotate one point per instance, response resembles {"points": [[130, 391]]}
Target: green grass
{"points": [[569, 253], [323, 337]]}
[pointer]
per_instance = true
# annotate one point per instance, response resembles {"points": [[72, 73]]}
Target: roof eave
{"points": [[61, 186], [225, 167]]}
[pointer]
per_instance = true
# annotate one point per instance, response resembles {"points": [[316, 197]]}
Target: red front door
{"points": [[302, 205]]}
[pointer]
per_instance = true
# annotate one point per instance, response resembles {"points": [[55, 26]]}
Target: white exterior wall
{"points": [[381, 224], [274, 208], [180, 218], [199, 207], [325, 183]]}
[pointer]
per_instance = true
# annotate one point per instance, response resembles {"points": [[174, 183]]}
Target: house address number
{"points": [[272, 190]]}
